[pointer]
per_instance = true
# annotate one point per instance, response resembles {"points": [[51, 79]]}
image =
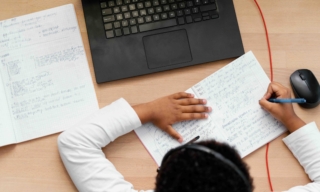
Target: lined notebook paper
{"points": [[233, 92], [45, 82]]}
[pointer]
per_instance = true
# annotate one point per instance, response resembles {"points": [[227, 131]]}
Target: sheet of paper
{"points": [[7, 135], [45, 72], [233, 93]]}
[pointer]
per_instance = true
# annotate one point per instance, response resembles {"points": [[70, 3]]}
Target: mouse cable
{"points": [[271, 78]]}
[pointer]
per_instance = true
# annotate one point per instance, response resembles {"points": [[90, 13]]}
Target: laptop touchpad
{"points": [[165, 49]]}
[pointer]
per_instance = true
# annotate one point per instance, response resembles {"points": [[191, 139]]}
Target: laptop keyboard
{"points": [[127, 17]]}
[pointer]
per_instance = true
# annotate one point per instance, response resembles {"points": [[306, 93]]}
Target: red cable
{"points": [[267, 36], [271, 77], [267, 164]]}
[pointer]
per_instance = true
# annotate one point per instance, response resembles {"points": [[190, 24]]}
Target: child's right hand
{"points": [[281, 111]]}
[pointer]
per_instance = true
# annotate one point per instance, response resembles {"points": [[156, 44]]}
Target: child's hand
{"points": [[166, 111], [282, 111]]}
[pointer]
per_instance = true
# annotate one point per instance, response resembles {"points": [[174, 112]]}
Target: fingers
{"points": [[195, 109], [278, 90], [264, 103], [192, 116], [181, 95], [273, 88], [173, 133], [184, 98], [192, 101]]}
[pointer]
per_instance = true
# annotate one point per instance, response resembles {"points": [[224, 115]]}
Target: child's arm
{"points": [[80, 146]]}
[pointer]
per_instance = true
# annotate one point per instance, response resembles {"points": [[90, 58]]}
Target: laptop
{"points": [[136, 37]]}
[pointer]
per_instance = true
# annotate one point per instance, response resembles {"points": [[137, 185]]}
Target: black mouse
{"points": [[305, 85]]}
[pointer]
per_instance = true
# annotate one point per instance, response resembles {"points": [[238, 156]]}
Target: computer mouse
{"points": [[305, 85]]}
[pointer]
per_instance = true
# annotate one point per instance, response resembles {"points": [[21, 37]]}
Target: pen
{"points": [[193, 140], [298, 100]]}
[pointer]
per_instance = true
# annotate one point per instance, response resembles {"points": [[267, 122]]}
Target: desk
{"points": [[294, 29]]}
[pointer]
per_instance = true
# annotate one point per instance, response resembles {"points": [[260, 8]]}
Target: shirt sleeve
{"points": [[81, 153], [304, 143]]}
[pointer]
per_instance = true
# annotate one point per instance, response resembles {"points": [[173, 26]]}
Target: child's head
{"points": [[205, 166]]}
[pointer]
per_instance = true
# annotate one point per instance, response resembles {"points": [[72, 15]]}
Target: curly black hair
{"points": [[196, 171]]}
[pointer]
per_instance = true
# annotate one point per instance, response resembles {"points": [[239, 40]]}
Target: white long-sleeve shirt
{"points": [[81, 146]]}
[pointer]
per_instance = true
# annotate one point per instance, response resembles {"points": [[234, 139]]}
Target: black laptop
{"points": [[136, 37]]}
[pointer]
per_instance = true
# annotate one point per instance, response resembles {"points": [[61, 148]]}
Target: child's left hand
{"points": [[166, 111]]}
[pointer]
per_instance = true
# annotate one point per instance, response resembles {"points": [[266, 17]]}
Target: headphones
{"points": [[207, 150]]}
